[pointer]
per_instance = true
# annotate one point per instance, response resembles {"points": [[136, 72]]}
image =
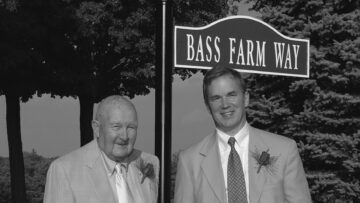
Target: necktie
{"points": [[121, 185], [235, 176]]}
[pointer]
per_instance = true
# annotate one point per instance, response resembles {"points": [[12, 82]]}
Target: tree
{"points": [[115, 48], [15, 66], [23, 72], [321, 113]]}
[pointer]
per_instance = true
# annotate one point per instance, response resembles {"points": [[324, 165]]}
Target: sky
{"points": [[51, 126]]}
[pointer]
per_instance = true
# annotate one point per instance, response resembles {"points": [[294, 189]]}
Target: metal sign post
{"points": [[164, 67]]}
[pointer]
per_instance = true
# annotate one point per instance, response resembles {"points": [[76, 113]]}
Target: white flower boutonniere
{"points": [[264, 160]]}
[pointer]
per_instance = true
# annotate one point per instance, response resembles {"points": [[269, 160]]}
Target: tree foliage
{"points": [[4, 180], [321, 113], [115, 42], [19, 71], [196, 13], [36, 168]]}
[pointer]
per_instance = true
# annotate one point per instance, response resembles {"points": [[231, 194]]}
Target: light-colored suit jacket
{"points": [[200, 178], [81, 177]]}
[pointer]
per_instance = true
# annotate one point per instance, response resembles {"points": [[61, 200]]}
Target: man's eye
{"points": [[132, 127], [116, 127], [233, 94], [214, 98]]}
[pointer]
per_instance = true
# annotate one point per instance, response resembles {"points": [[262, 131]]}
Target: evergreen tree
{"points": [[322, 113]]}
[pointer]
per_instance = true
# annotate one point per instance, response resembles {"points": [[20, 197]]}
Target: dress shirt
{"points": [[241, 147]]}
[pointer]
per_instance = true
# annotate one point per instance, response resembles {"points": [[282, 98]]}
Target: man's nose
{"points": [[224, 103], [123, 133]]}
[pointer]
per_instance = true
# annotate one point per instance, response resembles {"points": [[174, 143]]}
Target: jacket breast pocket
{"points": [[276, 185], [273, 193]]}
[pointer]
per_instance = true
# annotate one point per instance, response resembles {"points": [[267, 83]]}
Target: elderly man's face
{"points": [[117, 130]]}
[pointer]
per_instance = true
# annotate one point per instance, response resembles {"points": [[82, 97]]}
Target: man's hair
{"points": [[217, 72], [111, 101]]}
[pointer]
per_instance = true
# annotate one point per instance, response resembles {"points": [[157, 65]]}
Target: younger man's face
{"points": [[227, 104]]}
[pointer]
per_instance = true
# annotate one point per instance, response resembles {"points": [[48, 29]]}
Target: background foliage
{"points": [[35, 176], [321, 113]]}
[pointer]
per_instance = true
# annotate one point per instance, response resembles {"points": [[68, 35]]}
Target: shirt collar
{"points": [[239, 136], [110, 164]]}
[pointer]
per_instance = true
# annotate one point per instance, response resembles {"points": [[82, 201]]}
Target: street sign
{"points": [[243, 43]]}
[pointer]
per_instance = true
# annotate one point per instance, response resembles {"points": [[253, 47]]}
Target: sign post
{"points": [[164, 67]]}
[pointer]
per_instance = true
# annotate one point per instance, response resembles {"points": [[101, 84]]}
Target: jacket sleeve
{"points": [[296, 187], [57, 188], [184, 188]]}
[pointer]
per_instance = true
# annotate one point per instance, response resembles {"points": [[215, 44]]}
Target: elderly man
{"points": [[238, 163], [108, 169]]}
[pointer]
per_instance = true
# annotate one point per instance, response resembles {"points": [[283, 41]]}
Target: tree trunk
{"points": [[17, 171], [86, 116]]}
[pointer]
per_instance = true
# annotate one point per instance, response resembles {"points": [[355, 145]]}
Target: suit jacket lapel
{"points": [[142, 192], [256, 180], [211, 165], [98, 174]]}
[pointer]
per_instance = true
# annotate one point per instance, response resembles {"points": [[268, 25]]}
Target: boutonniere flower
{"points": [[146, 170], [265, 160]]}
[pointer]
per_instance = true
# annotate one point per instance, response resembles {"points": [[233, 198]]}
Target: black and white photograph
{"points": [[179, 101]]}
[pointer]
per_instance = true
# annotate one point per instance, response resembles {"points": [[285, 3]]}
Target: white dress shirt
{"points": [[241, 147]]}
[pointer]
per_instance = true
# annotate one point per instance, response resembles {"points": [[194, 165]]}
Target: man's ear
{"points": [[96, 128], [247, 98]]}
